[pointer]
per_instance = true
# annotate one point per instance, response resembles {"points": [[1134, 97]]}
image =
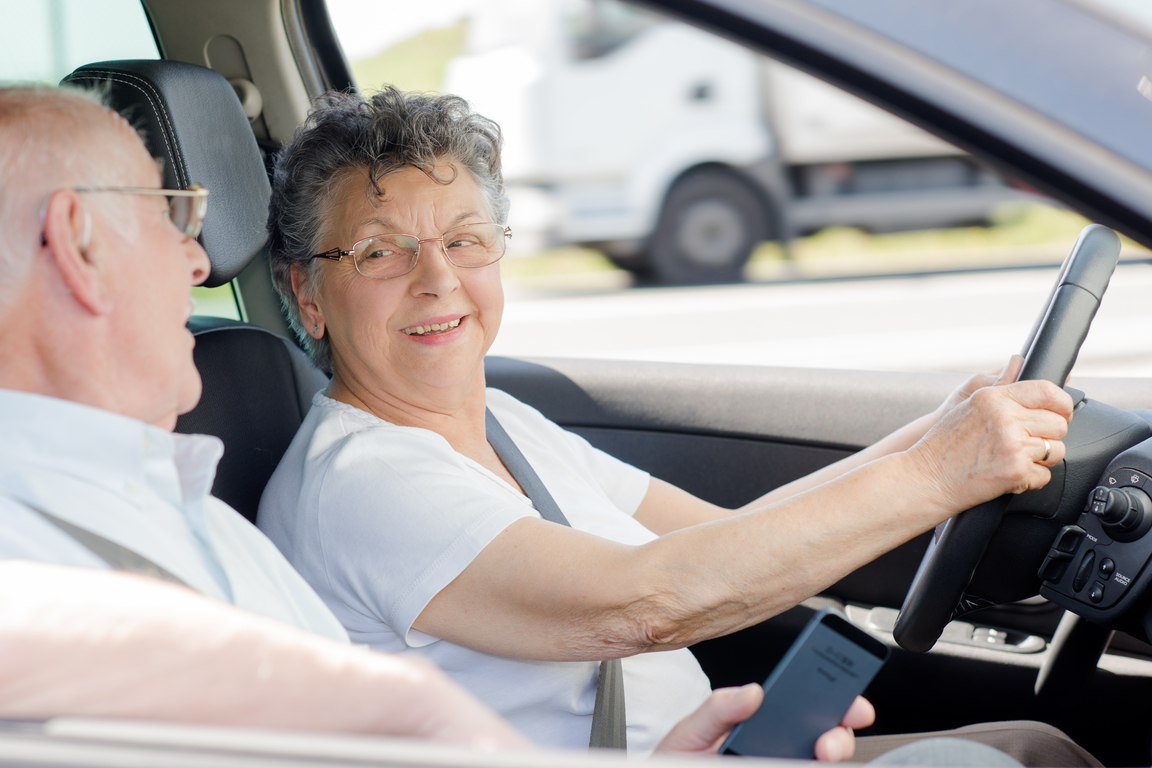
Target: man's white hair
{"points": [[47, 141]]}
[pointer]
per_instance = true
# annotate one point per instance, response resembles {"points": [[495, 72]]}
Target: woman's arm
{"points": [[100, 644], [666, 508], [543, 591]]}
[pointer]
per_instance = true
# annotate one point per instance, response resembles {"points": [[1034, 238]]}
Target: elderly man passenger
{"points": [[96, 263], [387, 226]]}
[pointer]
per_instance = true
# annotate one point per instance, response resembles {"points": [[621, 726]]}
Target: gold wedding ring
{"points": [[1047, 450]]}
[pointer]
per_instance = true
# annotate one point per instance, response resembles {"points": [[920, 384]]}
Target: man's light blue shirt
{"points": [[146, 489]]}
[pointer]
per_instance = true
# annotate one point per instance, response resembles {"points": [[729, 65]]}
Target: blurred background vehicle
{"points": [[676, 152]]}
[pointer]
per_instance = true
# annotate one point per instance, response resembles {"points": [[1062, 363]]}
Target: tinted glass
{"points": [[625, 129], [1087, 70], [43, 40]]}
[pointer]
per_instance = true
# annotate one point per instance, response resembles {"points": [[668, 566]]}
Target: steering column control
{"points": [[1060, 555], [1097, 593], [1084, 571], [1093, 563], [1125, 513]]}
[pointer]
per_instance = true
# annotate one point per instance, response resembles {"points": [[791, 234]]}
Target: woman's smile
{"points": [[438, 330]]}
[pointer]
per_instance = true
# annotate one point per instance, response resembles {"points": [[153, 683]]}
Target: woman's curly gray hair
{"points": [[381, 134]]}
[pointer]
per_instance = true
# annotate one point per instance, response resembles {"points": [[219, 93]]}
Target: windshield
{"points": [[1087, 70]]}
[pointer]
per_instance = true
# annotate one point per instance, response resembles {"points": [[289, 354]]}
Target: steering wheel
{"points": [[938, 591]]}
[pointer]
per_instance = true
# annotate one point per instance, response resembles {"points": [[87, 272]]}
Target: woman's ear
{"points": [[310, 312], [67, 237]]}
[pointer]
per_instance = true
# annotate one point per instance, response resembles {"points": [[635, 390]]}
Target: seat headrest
{"points": [[192, 120]]}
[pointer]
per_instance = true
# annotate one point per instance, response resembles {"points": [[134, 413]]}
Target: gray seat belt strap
{"points": [[609, 721], [119, 557], [523, 472]]}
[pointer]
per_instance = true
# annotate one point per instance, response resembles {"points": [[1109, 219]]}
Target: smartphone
{"points": [[807, 694]]}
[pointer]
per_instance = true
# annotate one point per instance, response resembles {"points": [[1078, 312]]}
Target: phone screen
{"points": [[831, 662]]}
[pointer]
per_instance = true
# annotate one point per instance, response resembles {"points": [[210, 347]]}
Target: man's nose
{"points": [[200, 265]]}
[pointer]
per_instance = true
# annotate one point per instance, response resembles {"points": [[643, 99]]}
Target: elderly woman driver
{"points": [[387, 225]]}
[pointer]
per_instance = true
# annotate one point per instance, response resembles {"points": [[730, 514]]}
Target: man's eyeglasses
{"points": [[186, 207], [384, 256]]}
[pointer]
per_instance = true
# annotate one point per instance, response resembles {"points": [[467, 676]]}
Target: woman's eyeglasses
{"points": [[383, 256], [186, 207]]}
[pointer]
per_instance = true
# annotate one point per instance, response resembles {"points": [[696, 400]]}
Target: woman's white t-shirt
{"points": [[379, 518]]}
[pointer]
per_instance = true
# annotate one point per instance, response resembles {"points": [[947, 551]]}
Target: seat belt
{"points": [[118, 557], [609, 724]]}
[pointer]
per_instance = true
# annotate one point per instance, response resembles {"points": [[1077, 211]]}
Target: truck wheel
{"points": [[712, 219]]}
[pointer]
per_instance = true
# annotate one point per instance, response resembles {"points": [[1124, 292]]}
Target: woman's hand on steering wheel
{"points": [[1005, 375], [996, 439]]}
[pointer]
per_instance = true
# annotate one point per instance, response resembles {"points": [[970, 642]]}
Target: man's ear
{"points": [[68, 240], [310, 312]]}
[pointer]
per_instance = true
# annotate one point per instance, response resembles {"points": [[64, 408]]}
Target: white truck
{"points": [[677, 152]]}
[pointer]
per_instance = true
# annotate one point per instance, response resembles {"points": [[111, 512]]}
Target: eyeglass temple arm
{"points": [[335, 254]]}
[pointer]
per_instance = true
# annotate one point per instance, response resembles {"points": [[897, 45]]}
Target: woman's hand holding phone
{"points": [[704, 730], [815, 686], [840, 742]]}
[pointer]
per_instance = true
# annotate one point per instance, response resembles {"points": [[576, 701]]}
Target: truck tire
{"points": [[711, 221]]}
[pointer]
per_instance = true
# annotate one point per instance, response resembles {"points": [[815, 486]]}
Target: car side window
{"points": [[644, 152], [47, 39], [50, 38]]}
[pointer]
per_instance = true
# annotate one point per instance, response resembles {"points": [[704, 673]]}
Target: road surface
{"points": [[944, 322]]}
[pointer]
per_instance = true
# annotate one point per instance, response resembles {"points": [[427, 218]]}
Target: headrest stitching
{"points": [[177, 160], [158, 107]]}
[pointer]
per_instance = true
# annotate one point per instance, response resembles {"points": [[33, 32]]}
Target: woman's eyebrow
{"points": [[460, 219], [384, 224], [387, 228]]}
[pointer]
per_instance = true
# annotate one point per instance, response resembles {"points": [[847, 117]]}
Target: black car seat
{"points": [[257, 385]]}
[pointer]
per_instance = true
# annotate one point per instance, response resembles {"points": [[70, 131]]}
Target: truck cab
{"points": [[677, 153]]}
